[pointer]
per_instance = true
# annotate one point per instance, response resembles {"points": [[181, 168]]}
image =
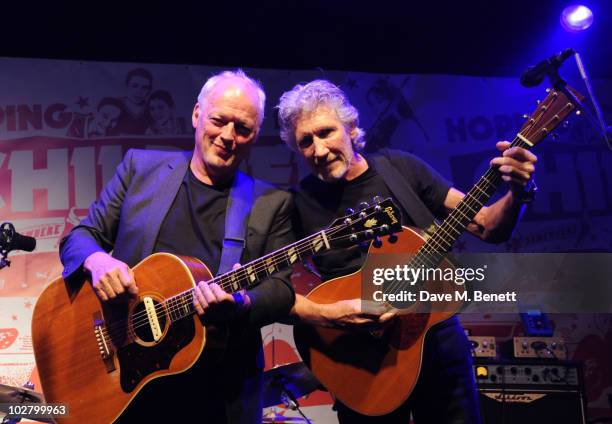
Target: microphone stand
{"points": [[560, 84], [606, 131], [292, 403], [6, 234]]}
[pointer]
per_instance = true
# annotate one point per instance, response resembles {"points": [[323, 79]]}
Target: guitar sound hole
{"points": [[140, 321]]}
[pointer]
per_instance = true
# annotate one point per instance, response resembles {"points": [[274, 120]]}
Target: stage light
{"points": [[576, 18]]}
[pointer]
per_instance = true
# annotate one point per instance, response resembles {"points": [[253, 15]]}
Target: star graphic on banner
{"points": [[28, 304], [351, 83], [82, 102]]}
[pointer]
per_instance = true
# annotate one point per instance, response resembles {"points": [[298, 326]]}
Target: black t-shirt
{"points": [[318, 203], [195, 223], [194, 226]]}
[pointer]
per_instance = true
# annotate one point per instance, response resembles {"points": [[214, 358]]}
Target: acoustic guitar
{"points": [[96, 356], [374, 373]]}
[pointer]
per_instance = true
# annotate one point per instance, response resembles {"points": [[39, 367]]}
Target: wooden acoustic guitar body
{"points": [[69, 351], [373, 373]]}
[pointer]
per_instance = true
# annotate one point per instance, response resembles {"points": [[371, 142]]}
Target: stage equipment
{"points": [[540, 347], [11, 240], [483, 347], [530, 392], [576, 18]]}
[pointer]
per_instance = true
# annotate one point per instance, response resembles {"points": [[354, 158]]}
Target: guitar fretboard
{"points": [[251, 274], [446, 234]]}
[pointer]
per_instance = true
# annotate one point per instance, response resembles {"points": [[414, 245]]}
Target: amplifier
{"points": [[483, 347], [540, 347], [527, 392]]}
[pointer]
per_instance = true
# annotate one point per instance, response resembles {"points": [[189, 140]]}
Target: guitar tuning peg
{"points": [[377, 242], [525, 116], [363, 205], [566, 124], [392, 238], [548, 90], [353, 238], [578, 113], [554, 136], [377, 201], [538, 102], [349, 211]]}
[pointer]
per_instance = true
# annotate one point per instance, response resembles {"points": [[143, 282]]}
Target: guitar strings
{"points": [[437, 244], [436, 247], [470, 201], [141, 317], [187, 302]]}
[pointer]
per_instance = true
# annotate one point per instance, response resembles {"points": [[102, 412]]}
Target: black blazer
{"points": [[132, 206]]}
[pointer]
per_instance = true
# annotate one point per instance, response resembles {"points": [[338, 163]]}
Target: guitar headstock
{"points": [[381, 218], [550, 112]]}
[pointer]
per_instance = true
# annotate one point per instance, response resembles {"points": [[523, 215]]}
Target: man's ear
{"points": [[353, 132], [195, 115]]}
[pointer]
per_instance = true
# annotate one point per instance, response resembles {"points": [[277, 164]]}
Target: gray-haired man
{"points": [[177, 202], [318, 122]]}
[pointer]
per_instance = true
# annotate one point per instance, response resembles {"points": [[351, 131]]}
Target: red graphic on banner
{"points": [[7, 337]]}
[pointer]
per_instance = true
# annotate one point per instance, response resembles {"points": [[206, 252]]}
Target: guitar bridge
{"points": [[104, 343]]}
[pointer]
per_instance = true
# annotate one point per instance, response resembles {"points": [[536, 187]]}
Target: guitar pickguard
{"points": [[136, 361]]}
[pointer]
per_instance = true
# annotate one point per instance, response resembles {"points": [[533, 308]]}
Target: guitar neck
{"points": [[446, 234], [254, 272]]}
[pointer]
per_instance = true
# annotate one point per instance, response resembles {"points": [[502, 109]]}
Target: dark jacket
{"points": [[129, 213]]}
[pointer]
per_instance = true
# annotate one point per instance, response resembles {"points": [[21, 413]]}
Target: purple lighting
{"points": [[576, 18]]}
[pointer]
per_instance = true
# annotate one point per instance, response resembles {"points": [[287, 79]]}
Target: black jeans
{"points": [[446, 390]]}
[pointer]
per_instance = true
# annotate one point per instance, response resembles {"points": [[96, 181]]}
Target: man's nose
{"points": [[228, 134], [320, 149]]}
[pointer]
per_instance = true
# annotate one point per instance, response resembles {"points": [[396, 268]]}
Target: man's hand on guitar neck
{"points": [[215, 304], [516, 164], [344, 314], [495, 223], [109, 276]]}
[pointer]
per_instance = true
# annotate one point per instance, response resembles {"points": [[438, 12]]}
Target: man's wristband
{"points": [[243, 301], [239, 299]]}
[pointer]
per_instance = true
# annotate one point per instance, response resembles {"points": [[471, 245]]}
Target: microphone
{"points": [[535, 74], [12, 240]]}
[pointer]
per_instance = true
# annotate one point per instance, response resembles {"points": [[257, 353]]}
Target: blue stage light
{"points": [[576, 18]]}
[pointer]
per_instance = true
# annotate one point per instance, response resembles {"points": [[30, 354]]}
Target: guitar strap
{"points": [[403, 192], [237, 214]]}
